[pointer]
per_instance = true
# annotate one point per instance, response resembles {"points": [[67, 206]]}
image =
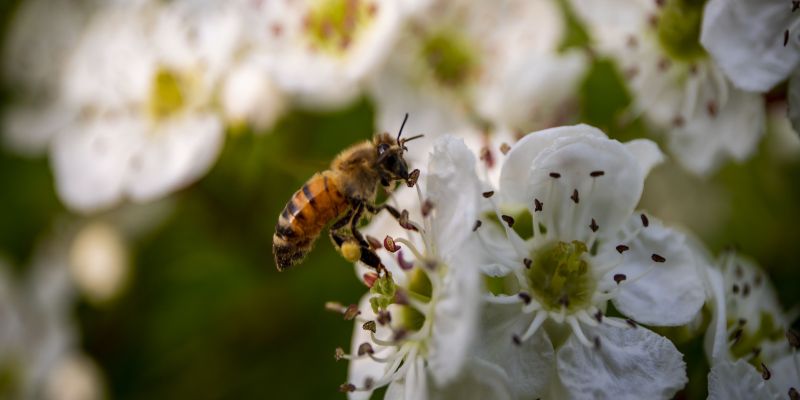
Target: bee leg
{"points": [[359, 211], [376, 209]]}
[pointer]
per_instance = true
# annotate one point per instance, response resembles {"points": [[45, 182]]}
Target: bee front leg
{"points": [[376, 209]]}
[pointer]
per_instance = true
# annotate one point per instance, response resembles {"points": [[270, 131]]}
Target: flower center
{"points": [[560, 277], [332, 25], [679, 29], [166, 94], [450, 57]]}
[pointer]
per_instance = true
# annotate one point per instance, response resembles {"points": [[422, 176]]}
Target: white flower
{"points": [[320, 51], [37, 339], [427, 306], [461, 61], [98, 261], [546, 328], [40, 37], [746, 341], [755, 42], [250, 96], [676, 86], [141, 83]]}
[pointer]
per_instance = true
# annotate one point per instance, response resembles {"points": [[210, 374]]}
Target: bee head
{"points": [[390, 162]]}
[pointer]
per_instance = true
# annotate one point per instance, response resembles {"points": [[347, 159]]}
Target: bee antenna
{"points": [[401, 129]]}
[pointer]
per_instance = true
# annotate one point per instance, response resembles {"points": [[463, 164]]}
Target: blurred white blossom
{"points": [[461, 63], [321, 51], [99, 261], [546, 326], [38, 342], [141, 85], [747, 338], [675, 85]]}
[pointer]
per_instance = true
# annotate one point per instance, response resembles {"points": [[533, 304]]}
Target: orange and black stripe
{"points": [[301, 221]]}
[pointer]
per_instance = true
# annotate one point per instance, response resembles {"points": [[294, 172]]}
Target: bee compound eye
{"points": [[382, 148]]}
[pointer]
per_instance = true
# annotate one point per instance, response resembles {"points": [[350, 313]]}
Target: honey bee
{"points": [[346, 191]]}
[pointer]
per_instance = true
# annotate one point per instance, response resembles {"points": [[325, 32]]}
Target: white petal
{"points": [[647, 153], [481, 380], [455, 319], [90, 161], [178, 153], [785, 374], [529, 367], [249, 95], [29, 129], [745, 38], [454, 190], [672, 292], [716, 339], [605, 174], [631, 363], [736, 381], [705, 141]]}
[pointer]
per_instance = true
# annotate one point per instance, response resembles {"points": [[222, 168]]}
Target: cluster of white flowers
{"points": [[546, 285]]}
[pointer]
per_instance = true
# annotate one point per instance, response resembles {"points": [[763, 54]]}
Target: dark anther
{"points": [[404, 264], [595, 174], [555, 175], [597, 342], [370, 278], [347, 388], [526, 298], [374, 244], [564, 301], [738, 271], [412, 178], [735, 336], [488, 194], [384, 317], [477, 225], [509, 220], [370, 326], [368, 383], [657, 258], [405, 222], [401, 297], [785, 37], [712, 108], [528, 262], [365, 348], [504, 148], [794, 338], [765, 372], [793, 394], [645, 221], [735, 288], [619, 278], [745, 290], [390, 245], [427, 207], [574, 196], [339, 354], [678, 121], [660, 3], [631, 322], [622, 248], [742, 321], [593, 226], [598, 316], [537, 205], [486, 156], [400, 334], [516, 339], [351, 312]]}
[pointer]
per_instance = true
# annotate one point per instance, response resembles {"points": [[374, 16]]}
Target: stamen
{"points": [[657, 258], [575, 196], [645, 221], [631, 323], [528, 262], [374, 244], [555, 175], [794, 394], [488, 194], [595, 174], [351, 312], [537, 322], [576, 329], [412, 178], [477, 225], [504, 148], [765, 372], [508, 219], [384, 317], [389, 244], [526, 298], [369, 326], [619, 278], [427, 207], [401, 261], [365, 348], [347, 388], [793, 337], [593, 226], [622, 248], [411, 247]]}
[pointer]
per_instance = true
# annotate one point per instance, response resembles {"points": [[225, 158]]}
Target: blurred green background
{"points": [[207, 316]]}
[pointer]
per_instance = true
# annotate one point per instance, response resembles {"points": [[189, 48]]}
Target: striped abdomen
{"points": [[309, 210]]}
